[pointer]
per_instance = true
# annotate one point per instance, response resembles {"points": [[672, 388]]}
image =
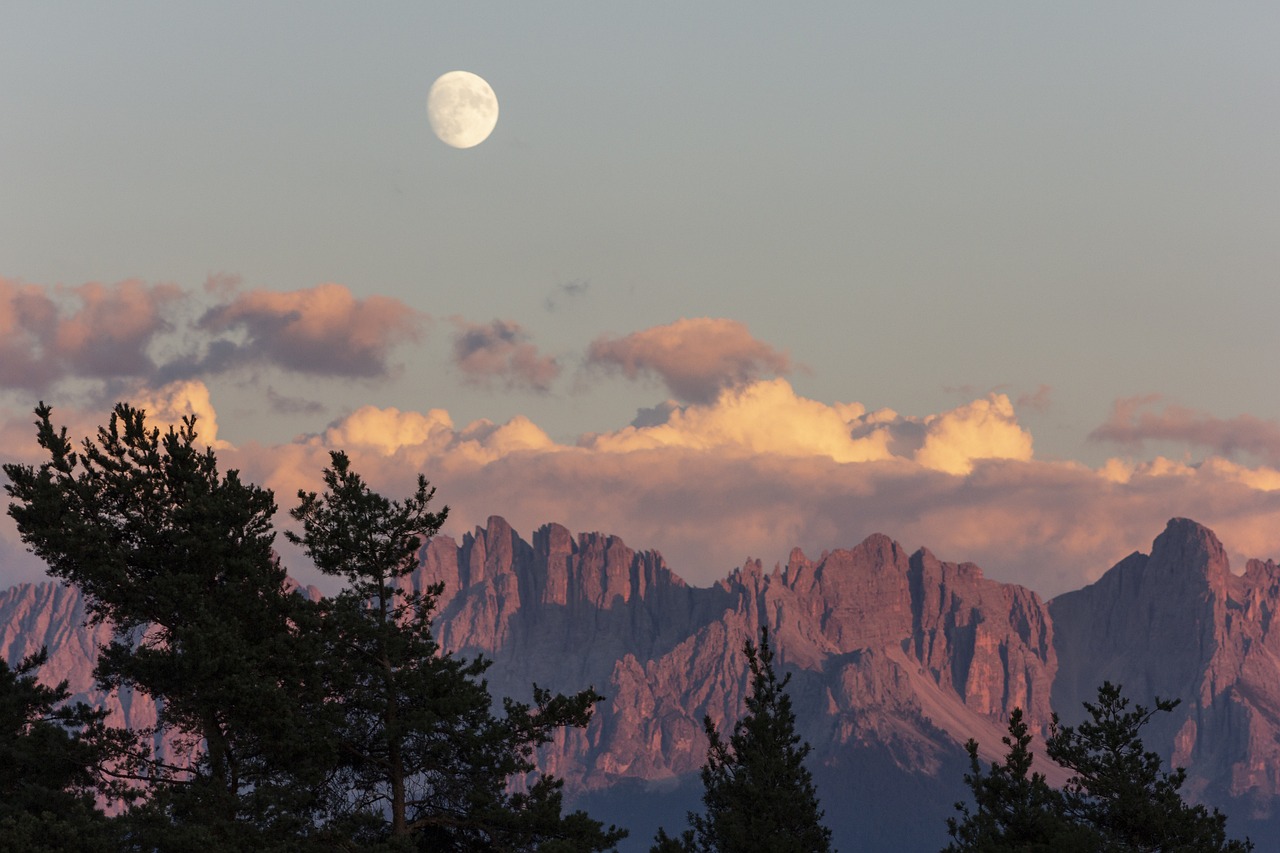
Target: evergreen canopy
{"points": [[1117, 800], [758, 794], [284, 724]]}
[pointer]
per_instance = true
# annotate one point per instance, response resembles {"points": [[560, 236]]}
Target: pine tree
{"points": [[758, 795], [178, 559], [1118, 799], [424, 763], [51, 754], [1016, 811], [1119, 789]]}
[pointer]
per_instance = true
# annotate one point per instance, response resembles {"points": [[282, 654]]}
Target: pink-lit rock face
{"points": [[887, 647], [53, 616], [1179, 625], [900, 652]]}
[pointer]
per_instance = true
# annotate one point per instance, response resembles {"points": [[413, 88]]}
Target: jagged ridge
{"points": [[896, 657]]}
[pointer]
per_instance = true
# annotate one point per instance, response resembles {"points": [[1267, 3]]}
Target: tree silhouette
{"points": [[758, 795], [422, 757], [1117, 799]]}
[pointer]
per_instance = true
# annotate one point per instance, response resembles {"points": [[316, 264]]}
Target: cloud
{"points": [[431, 435], [1135, 420], [695, 358], [94, 331], [566, 292], [128, 332], [768, 417], [323, 330], [286, 405], [1039, 400], [761, 469], [500, 351], [167, 406], [983, 429]]}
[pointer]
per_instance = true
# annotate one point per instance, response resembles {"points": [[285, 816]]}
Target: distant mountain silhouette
{"points": [[897, 659]]}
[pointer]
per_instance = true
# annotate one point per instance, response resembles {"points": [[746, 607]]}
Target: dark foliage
{"points": [[283, 724], [1118, 789], [1117, 800], [758, 795], [51, 757], [423, 760], [1015, 809], [178, 560]]}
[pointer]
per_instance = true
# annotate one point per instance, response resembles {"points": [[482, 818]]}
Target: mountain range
{"points": [[896, 659]]}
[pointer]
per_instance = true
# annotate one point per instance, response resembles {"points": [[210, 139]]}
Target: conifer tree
{"points": [[1117, 800], [424, 763], [757, 793], [1015, 809], [178, 559], [51, 754], [1118, 788]]}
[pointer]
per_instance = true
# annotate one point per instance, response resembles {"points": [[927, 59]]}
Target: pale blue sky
{"points": [[919, 202]]}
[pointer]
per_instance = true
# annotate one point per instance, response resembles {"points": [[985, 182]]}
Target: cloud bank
{"points": [[761, 468], [738, 465]]}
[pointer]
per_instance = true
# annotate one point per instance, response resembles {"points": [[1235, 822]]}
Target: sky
{"points": [[998, 279]]}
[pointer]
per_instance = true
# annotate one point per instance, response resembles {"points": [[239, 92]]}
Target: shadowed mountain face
{"points": [[896, 660], [1178, 624]]}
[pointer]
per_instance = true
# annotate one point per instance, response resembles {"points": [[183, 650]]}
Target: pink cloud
{"points": [[500, 351], [112, 332], [695, 358], [716, 483], [94, 330], [1135, 420], [323, 330], [28, 323]]}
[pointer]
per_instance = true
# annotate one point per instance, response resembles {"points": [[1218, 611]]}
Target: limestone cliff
{"points": [[896, 658]]}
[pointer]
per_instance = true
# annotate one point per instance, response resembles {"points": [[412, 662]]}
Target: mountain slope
{"points": [[1178, 624], [896, 660]]}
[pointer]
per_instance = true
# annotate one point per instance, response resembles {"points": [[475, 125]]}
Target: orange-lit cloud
{"points": [[695, 358], [168, 405], [323, 330], [1135, 420], [500, 351], [768, 417], [761, 469]]}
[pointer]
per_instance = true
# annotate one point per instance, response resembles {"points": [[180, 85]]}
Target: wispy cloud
{"points": [[1136, 420], [500, 352], [695, 358], [566, 292], [287, 405], [1039, 400]]}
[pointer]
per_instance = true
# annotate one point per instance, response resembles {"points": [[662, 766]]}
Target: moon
{"points": [[462, 109]]}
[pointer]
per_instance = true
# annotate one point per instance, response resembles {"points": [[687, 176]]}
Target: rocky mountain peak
{"points": [[897, 658], [1188, 550]]}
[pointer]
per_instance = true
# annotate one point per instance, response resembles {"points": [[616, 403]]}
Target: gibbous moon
{"points": [[462, 109]]}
